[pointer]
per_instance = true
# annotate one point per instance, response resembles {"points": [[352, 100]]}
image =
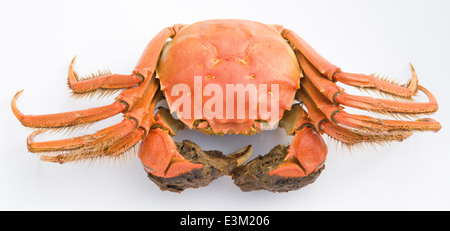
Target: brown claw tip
{"points": [[14, 108]]}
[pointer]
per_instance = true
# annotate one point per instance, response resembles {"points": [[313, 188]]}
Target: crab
{"points": [[279, 81]]}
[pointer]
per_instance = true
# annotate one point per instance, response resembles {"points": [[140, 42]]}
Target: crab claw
{"points": [[241, 156], [258, 174], [177, 166]]}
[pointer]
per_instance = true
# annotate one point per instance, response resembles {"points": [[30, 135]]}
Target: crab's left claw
{"points": [[177, 166]]}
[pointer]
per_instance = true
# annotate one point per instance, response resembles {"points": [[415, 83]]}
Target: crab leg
{"points": [[66, 118], [143, 69], [110, 141], [337, 115], [110, 133], [118, 147], [149, 58], [146, 103], [334, 73], [338, 96], [345, 135], [105, 81]]}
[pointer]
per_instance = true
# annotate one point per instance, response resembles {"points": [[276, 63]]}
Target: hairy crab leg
{"points": [[149, 58], [345, 135], [336, 114], [137, 102], [110, 133], [110, 141], [144, 69], [66, 118], [105, 81], [337, 95], [118, 147], [146, 103], [334, 73]]}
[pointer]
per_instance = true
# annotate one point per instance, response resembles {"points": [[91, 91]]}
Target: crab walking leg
{"points": [[66, 118], [99, 138], [144, 69], [105, 81], [124, 101], [336, 114], [146, 103], [113, 149], [149, 58], [334, 73], [111, 141], [344, 135], [337, 95]]}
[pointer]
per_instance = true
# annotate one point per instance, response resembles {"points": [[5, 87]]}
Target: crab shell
{"points": [[225, 52]]}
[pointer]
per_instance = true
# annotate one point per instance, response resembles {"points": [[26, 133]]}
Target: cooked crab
{"points": [[238, 77]]}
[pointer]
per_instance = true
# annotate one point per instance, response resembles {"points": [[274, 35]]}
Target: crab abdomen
{"points": [[220, 60]]}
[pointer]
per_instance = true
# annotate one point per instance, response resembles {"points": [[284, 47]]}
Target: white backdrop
{"points": [[39, 38]]}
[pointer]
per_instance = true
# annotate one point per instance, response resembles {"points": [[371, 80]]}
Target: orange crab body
{"points": [[229, 53], [230, 76]]}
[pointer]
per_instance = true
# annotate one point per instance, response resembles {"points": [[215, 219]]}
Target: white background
{"points": [[39, 38]]}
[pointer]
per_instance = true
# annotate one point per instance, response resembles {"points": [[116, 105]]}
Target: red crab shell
{"points": [[230, 52]]}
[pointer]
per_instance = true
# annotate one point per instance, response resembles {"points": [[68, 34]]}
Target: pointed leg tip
{"points": [[72, 75], [18, 93], [14, 108], [30, 140]]}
